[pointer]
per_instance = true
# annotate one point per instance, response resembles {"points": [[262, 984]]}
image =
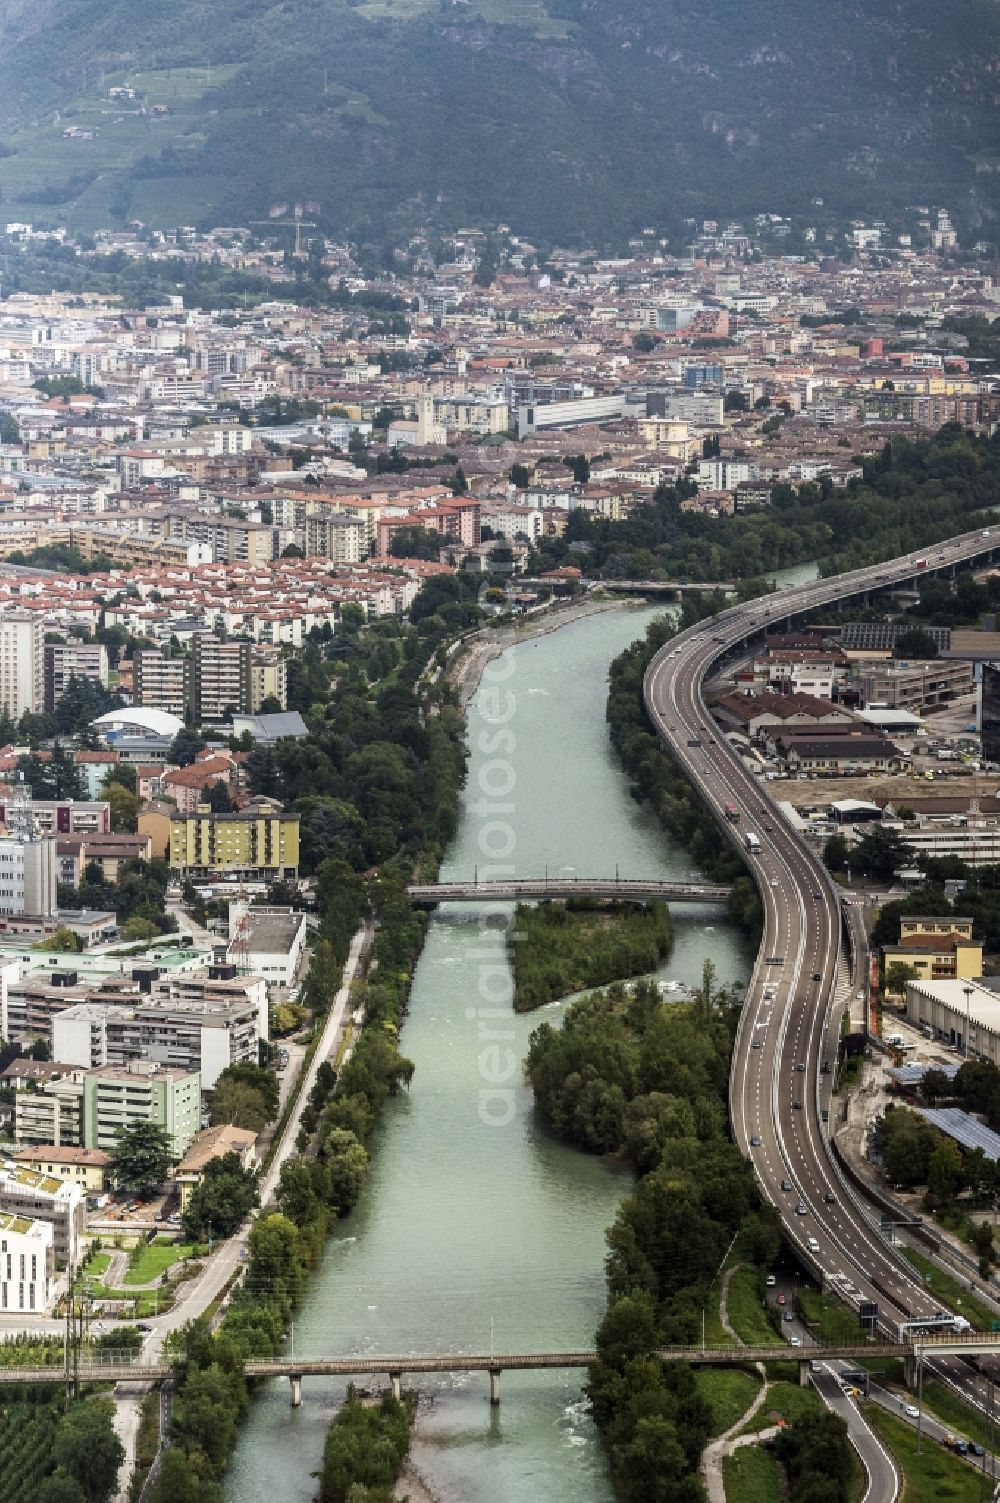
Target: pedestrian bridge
{"points": [[493, 1363], [624, 889]]}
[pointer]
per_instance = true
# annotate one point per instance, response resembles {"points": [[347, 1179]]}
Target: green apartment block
{"points": [[116, 1096]]}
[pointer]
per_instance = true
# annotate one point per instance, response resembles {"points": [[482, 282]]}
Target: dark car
{"points": [[817, 976], [817, 894], [975, 1449], [801, 1209], [800, 1067], [830, 1198], [797, 1106], [143, 1325], [786, 1184], [755, 1141]]}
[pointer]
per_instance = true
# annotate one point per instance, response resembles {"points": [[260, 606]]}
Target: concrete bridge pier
{"points": [[396, 1380], [495, 1385], [803, 1374], [910, 1370], [295, 1382]]}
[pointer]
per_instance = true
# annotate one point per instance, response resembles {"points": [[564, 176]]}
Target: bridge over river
{"points": [[624, 889], [912, 1352]]}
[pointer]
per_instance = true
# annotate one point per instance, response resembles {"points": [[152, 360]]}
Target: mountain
{"points": [[568, 119]]}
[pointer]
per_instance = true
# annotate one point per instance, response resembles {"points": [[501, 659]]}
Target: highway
{"points": [[778, 1059]]}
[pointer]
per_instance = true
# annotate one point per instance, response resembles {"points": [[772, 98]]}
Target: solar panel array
{"points": [[965, 1130]]}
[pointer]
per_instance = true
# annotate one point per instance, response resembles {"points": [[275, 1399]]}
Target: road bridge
{"points": [[624, 889], [778, 1061]]}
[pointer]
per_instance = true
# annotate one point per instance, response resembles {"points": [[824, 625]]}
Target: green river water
{"points": [[475, 1225]]}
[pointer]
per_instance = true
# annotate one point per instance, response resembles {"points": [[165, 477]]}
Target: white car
{"points": [[911, 1411], [795, 1340]]}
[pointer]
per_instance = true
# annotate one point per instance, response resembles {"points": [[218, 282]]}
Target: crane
{"points": [[300, 224]]}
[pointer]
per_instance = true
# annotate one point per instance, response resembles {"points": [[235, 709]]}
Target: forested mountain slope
{"points": [[571, 119]]}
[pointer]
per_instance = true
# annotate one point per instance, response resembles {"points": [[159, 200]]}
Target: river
{"points": [[475, 1225]]}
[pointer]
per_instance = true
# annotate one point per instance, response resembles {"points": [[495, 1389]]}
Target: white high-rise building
{"points": [[29, 872], [22, 662]]}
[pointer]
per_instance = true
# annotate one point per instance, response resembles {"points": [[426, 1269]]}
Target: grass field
{"points": [[950, 1290], [957, 1416], [827, 1318], [930, 1475], [747, 1314], [785, 1401], [97, 1264], [156, 1258], [729, 1391], [751, 1475]]}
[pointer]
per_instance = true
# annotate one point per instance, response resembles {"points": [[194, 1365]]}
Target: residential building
{"points": [[63, 661], [84, 1167], [161, 682], [213, 1143], [118, 1096], [55, 816], [330, 534], [266, 942], [219, 681], [200, 1028], [29, 873], [43, 1197], [50, 1113], [26, 1264], [258, 843], [936, 948], [268, 676], [22, 662]]}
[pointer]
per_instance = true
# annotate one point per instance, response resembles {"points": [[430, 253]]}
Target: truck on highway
{"points": [[732, 813], [752, 841], [921, 563]]}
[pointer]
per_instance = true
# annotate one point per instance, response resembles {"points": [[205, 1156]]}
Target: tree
{"points": [[898, 975], [222, 1200], [59, 1488], [137, 929], [277, 1257], [944, 1173], [184, 1478], [836, 853], [185, 747], [880, 853], [245, 1096], [415, 542], [218, 798], [644, 342], [915, 644], [62, 942], [142, 1156], [125, 808], [87, 1449], [519, 476]]}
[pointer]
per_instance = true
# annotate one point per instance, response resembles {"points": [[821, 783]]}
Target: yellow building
{"points": [[937, 949], [260, 842], [213, 1143], [154, 821], [85, 1167]]}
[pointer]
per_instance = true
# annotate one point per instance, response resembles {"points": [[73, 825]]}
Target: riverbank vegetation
{"points": [[377, 785], [558, 948], [912, 494], [365, 1450], [655, 778], [48, 1455]]}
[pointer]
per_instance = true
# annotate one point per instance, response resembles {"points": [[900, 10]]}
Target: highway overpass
{"points": [[777, 1061]]}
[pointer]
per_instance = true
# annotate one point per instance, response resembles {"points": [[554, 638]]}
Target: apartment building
{"points": [[22, 662], [116, 1097], [26, 1264], [56, 816], [330, 534], [161, 682], [258, 843], [50, 1112], [268, 676], [29, 874], [220, 678], [200, 1028], [43, 1197], [63, 661]]}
